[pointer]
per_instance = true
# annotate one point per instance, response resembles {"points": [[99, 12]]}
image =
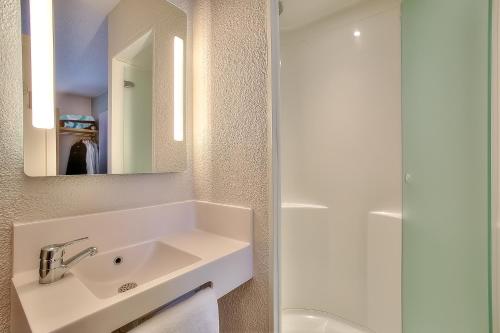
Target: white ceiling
{"points": [[298, 13], [81, 45]]}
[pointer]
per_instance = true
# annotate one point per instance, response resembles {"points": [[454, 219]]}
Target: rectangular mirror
{"points": [[104, 87]]}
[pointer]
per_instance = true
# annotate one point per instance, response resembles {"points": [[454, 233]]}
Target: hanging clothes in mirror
{"points": [[77, 164], [92, 156], [83, 158]]}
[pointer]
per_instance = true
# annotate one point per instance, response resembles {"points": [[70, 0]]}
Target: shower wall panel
{"points": [[341, 141]]}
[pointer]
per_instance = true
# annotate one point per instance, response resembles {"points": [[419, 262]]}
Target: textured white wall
{"points": [[232, 122], [27, 199], [341, 138], [231, 147]]}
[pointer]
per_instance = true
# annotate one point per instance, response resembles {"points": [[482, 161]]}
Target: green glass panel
{"points": [[446, 115]]}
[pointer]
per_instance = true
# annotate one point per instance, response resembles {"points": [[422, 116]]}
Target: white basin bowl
{"points": [[168, 250], [105, 273]]}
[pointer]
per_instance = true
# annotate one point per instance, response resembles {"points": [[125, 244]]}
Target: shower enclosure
{"points": [[384, 162]]}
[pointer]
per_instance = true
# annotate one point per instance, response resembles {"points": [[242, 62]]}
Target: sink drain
{"points": [[118, 260], [127, 287]]}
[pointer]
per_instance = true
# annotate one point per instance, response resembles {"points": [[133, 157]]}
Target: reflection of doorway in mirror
{"points": [[81, 84], [132, 118], [137, 119]]}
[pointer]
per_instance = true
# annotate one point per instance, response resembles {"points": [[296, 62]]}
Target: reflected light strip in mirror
{"points": [[178, 89], [42, 63]]}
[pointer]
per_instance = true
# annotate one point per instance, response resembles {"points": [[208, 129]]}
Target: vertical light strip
{"points": [[42, 63], [178, 89]]}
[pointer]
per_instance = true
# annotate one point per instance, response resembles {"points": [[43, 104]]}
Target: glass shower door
{"points": [[446, 136]]}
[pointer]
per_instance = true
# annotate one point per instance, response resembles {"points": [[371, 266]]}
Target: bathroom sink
{"points": [[147, 257], [118, 271]]}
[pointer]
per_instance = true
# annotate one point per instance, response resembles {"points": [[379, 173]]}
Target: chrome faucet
{"points": [[52, 263]]}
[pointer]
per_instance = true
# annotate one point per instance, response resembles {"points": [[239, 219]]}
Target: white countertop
{"points": [[69, 306]]}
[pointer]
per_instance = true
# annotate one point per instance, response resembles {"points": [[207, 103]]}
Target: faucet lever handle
{"points": [[56, 251], [63, 245]]}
